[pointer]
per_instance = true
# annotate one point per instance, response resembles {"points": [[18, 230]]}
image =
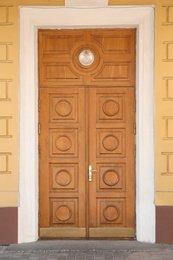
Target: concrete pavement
{"points": [[87, 249]]}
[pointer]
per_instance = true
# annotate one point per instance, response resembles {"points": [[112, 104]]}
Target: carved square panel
{"points": [[64, 142], [110, 107], [64, 211], [63, 108], [110, 142], [111, 177], [63, 177], [111, 211]]}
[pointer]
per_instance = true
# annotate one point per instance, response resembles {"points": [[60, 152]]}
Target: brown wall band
{"points": [[164, 224], [8, 226]]}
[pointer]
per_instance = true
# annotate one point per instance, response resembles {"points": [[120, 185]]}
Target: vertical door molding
{"points": [[32, 18]]}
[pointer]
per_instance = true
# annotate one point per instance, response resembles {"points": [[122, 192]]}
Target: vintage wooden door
{"points": [[87, 133]]}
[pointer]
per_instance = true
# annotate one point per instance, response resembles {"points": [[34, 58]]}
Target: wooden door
{"points": [[87, 119], [62, 162], [111, 154]]}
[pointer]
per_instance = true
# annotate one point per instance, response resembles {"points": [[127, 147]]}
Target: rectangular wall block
{"points": [[164, 224], [8, 226]]}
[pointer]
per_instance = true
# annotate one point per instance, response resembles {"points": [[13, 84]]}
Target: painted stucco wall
{"points": [[9, 96]]}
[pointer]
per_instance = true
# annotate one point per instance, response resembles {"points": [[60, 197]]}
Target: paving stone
{"points": [[62, 257], [34, 258], [87, 250], [108, 256], [71, 256]]}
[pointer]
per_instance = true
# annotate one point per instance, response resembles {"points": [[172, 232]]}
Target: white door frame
{"points": [[33, 18]]}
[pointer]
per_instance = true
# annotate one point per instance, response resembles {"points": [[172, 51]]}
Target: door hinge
{"points": [[39, 105], [135, 105], [39, 128], [134, 128], [39, 151], [134, 150]]}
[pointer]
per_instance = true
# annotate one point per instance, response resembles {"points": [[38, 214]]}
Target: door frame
{"points": [[32, 19]]}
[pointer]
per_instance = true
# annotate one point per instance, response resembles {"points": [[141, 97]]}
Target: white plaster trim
{"points": [[86, 2], [32, 18]]}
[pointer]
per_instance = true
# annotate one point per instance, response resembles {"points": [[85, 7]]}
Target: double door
{"points": [[87, 137]]}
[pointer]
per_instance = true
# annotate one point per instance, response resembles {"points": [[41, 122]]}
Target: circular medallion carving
{"points": [[110, 142], [63, 178], [63, 108], [111, 213], [86, 57], [63, 143], [110, 177], [63, 213], [110, 107]]}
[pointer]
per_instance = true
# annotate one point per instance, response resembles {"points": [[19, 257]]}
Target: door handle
{"points": [[90, 172]]}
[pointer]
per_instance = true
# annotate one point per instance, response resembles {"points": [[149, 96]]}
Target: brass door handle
{"points": [[90, 172]]}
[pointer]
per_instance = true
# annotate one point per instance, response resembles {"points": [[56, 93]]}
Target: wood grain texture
{"points": [[114, 57], [87, 118]]}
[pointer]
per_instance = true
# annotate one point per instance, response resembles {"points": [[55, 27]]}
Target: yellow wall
{"points": [[9, 88]]}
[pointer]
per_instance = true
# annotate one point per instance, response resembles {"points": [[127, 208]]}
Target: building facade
{"points": [[19, 160]]}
